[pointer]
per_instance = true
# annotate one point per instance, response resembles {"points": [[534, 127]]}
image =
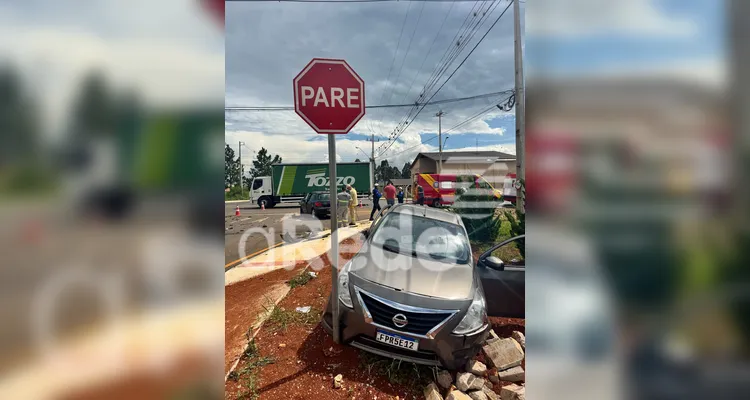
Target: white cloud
{"points": [[576, 18], [268, 44], [710, 72]]}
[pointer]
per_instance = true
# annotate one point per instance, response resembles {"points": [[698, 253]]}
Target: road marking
{"points": [[261, 220], [252, 255]]}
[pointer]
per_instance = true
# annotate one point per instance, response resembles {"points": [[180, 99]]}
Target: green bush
{"points": [[235, 193], [478, 215]]}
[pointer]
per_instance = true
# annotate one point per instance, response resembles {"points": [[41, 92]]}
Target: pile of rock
{"points": [[503, 371]]}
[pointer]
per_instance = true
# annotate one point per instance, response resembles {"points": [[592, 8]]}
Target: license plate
{"points": [[397, 340]]}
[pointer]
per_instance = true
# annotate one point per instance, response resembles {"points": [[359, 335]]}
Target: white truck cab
{"points": [[261, 191]]}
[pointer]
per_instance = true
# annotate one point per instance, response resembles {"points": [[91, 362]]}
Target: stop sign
{"points": [[329, 96]]}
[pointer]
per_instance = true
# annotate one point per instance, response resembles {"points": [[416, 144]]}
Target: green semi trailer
{"points": [[289, 183]]}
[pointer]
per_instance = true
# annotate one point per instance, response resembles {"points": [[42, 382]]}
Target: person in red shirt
{"points": [[390, 194]]}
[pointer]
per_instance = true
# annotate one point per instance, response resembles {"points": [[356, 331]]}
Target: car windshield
{"points": [[322, 196], [422, 237]]}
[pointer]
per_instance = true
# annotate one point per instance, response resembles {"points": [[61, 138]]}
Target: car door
{"points": [[504, 287], [304, 203]]}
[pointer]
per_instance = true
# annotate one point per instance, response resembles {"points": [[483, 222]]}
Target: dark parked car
{"points": [[316, 203]]}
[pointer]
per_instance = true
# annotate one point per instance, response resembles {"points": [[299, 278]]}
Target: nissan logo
{"points": [[400, 320]]}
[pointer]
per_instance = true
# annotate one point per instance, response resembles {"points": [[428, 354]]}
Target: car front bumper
{"points": [[446, 349]]}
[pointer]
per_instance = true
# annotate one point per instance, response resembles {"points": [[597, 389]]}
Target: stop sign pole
{"points": [[330, 97]]}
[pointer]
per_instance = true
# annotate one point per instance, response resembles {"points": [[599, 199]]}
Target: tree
{"points": [[94, 111], [231, 167], [383, 171], [406, 171], [262, 165], [18, 120], [358, 160]]}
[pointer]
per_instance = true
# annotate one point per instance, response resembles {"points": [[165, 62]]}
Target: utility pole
{"points": [[520, 108], [242, 189], [372, 157], [440, 140]]}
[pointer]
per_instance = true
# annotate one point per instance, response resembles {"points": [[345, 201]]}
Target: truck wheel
{"points": [[264, 201], [436, 203]]}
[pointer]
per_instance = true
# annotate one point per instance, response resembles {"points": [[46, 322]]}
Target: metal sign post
{"points": [[334, 255], [330, 97]]}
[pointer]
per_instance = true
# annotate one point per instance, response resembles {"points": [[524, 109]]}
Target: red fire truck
{"points": [[440, 189]]}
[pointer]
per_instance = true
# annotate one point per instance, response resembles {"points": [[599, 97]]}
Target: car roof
{"points": [[428, 212]]}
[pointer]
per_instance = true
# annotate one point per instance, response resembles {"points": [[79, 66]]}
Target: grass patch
{"points": [[504, 232], [300, 280], [248, 375], [397, 371], [280, 319]]}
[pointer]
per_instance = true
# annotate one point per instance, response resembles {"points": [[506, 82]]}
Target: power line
{"points": [[398, 76], [454, 71], [472, 118], [413, 147], [452, 53], [393, 61], [475, 116], [444, 101], [445, 61], [430, 49]]}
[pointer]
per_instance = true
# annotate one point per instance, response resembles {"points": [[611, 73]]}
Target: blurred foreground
{"points": [[110, 200], [647, 168]]}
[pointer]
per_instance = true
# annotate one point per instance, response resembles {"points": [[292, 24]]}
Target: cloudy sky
{"points": [[267, 44], [170, 52]]}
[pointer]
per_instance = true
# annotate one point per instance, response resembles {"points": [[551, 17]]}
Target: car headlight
{"points": [[344, 296], [475, 318]]}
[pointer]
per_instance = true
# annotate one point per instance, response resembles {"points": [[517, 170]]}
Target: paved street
{"points": [[269, 220]]}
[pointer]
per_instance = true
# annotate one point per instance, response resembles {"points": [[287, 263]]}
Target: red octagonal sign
{"points": [[329, 96]]}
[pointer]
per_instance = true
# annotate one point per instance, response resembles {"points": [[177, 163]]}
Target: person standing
{"points": [[400, 195], [420, 195], [352, 205], [342, 205], [390, 194], [375, 200]]}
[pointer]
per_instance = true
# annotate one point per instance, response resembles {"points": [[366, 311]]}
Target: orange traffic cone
{"points": [[263, 205], [360, 203], [237, 211]]}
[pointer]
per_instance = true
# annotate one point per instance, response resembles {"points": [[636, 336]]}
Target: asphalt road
{"points": [[270, 221]]}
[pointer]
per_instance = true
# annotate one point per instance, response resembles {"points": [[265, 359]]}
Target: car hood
{"points": [[414, 275]]}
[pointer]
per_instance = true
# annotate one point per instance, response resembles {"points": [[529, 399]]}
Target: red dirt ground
{"points": [[243, 303], [304, 367]]}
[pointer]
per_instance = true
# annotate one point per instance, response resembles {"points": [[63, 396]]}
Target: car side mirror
{"points": [[366, 232], [494, 263]]}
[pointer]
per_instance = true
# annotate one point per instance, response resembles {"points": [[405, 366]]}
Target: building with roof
{"points": [[492, 165]]}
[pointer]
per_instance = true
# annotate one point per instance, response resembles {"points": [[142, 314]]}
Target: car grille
{"points": [[419, 323]]}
